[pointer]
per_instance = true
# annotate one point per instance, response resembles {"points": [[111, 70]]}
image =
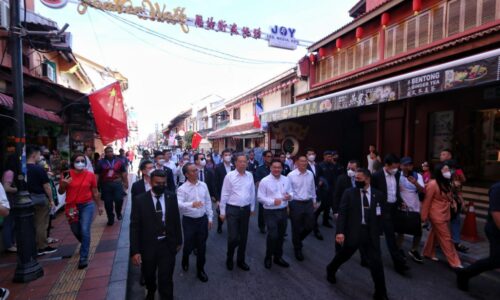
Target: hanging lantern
{"points": [[384, 20], [417, 6], [322, 53], [359, 33], [312, 58], [338, 44]]}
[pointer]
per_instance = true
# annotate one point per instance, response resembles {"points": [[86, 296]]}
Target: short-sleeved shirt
{"points": [[494, 207], [36, 177], [79, 191], [110, 170]]}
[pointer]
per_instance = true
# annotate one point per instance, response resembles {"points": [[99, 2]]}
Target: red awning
{"points": [[31, 110]]}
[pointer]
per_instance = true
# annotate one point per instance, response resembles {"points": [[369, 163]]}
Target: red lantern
{"points": [[312, 58], [417, 6], [359, 33], [322, 52], [338, 43], [384, 20]]}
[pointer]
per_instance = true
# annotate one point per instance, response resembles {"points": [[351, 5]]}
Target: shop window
{"points": [[470, 14], [437, 23], [236, 113], [489, 7], [411, 33], [424, 29], [454, 17]]}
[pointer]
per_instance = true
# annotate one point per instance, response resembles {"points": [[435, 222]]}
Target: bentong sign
{"points": [[147, 11]]}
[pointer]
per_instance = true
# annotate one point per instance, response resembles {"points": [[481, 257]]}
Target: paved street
{"points": [[306, 280]]}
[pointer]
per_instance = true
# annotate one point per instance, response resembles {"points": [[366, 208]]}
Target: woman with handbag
{"points": [[80, 187], [411, 184], [436, 208]]}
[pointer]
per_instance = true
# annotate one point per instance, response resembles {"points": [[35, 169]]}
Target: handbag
{"points": [[407, 222]]}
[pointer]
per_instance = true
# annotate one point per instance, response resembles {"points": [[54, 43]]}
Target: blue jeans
{"points": [[455, 229], [81, 229]]}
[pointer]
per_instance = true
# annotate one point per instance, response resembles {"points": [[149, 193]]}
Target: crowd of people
{"points": [[177, 199], [386, 196]]}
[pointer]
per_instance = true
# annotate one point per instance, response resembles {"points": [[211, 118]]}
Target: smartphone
{"points": [[67, 175]]}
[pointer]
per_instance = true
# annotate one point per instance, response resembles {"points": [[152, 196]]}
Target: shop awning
{"points": [[31, 110], [237, 131], [466, 72]]}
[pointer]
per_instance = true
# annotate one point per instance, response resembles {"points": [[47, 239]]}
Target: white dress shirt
{"points": [[369, 196], [4, 201], [271, 188], [147, 186], [313, 167], [88, 166], [391, 187], [162, 203], [228, 167], [188, 193], [237, 190], [303, 187]]}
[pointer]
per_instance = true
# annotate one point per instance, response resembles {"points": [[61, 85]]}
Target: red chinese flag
{"points": [[109, 113], [195, 142]]}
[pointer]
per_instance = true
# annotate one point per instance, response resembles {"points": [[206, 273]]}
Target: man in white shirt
{"points": [[89, 153], [169, 163], [237, 202], [303, 204], [196, 209], [274, 193]]}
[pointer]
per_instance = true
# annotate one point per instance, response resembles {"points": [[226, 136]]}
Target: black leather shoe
{"points": [[298, 255], [318, 235], [185, 263], [401, 269], [364, 264], [380, 297], [202, 276], [281, 262], [229, 264], [242, 265], [82, 265], [331, 278], [119, 217], [110, 222], [267, 262], [151, 295]]}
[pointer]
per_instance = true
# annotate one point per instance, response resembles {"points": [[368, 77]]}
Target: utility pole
{"points": [[28, 269]]}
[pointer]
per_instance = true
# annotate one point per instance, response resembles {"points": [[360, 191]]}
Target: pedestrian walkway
{"points": [[62, 279]]}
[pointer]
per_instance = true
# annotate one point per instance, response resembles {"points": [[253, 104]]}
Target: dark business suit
{"points": [[138, 188], [378, 182], [261, 172], [286, 170], [328, 173], [252, 166], [145, 227], [364, 237], [209, 179], [343, 183], [220, 173]]}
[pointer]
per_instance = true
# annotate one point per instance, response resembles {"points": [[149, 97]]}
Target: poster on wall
{"points": [[441, 134]]}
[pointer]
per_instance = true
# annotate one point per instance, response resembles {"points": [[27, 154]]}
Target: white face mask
{"points": [[227, 158], [161, 161], [288, 156], [447, 175], [393, 171], [203, 162], [79, 166], [351, 173], [150, 172], [311, 157]]}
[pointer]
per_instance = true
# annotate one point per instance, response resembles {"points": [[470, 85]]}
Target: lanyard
{"points": [[112, 164]]}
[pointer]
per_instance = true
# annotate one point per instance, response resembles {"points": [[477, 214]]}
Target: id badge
{"points": [[111, 172], [378, 210]]}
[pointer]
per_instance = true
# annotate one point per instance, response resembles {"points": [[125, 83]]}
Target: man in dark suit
{"points": [[286, 168], [328, 172], [160, 165], [386, 181], [220, 173], [204, 174], [156, 236], [252, 163], [263, 171], [358, 227], [321, 185], [143, 185]]}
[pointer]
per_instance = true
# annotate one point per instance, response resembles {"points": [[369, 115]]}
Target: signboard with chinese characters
{"points": [[282, 37]]}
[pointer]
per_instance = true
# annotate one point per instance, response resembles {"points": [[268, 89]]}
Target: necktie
{"points": [[366, 204], [366, 207], [201, 176], [159, 211]]}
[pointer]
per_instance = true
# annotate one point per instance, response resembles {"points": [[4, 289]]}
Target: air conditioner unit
{"points": [[48, 71], [4, 15]]}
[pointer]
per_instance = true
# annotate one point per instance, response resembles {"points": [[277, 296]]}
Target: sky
{"points": [[164, 78]]}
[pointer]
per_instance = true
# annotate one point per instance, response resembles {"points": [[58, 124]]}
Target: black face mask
{"points": [[359, 184], [159, 189]]}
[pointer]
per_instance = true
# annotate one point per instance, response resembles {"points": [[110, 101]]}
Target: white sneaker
{"points": [[4, 293]]}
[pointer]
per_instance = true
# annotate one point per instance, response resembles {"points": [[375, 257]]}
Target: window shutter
{"points": [[437, 23], [374, 49], [453, 17], [411, 32], [470, 18], [423, 29], [400, 39], [389, 42], [488, 12], [350, 59], [335, 63], [342, 63], [358, 55]]}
